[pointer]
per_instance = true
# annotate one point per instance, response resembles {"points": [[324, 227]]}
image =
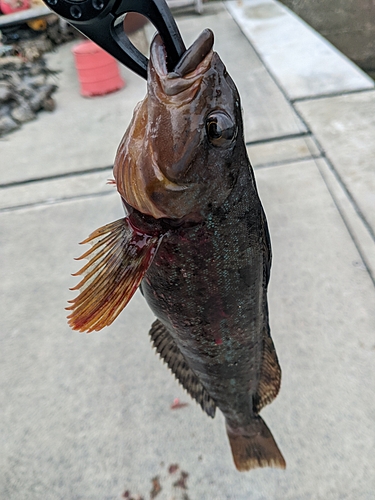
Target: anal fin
{"points": [[117, 261], [168, 350]]}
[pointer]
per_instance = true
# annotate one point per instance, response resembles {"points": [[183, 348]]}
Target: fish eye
{"points": [[220, 129]]}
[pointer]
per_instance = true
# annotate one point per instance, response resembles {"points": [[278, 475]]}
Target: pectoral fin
{"points": [[171, 354], [117, 261]]}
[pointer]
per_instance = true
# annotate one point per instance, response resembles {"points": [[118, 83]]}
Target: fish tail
{"points": [[254, 446]]}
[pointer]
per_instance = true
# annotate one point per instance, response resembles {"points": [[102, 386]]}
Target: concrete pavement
{"points": [[89, 417]]}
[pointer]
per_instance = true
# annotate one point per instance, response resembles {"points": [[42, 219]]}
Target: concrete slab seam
{"points": [[323, 153], [55, 201], [278, 84], [286, 162], [279, 138], [235, 10], [347, 192], [331, 94], [350, 216], [349, 197], [47, 178]]}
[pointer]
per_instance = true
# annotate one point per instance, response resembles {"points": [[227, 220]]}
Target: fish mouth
{"points": [[177, 105], [189, 70], [155, 163]]}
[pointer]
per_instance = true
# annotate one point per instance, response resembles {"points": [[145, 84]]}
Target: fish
{"points": [[195, 241]]}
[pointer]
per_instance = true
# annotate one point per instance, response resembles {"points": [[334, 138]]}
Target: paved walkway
{"points": [[89, 417]]}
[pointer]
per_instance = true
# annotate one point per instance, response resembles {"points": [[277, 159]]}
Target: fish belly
{"points": [[206, 285]]}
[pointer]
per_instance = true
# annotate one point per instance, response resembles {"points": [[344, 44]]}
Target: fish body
{"points": [[196, 242]]}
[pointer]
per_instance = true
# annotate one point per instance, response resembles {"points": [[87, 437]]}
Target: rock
{"points": [[41, 95], [7, 124], [5, 92], [13, 77], [24, 90], [23, 113], [10, 62], [35, 81], [49, 104], [6, 108]]}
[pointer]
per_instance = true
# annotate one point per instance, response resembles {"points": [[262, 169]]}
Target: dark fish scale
{"points": [[196, 240]]}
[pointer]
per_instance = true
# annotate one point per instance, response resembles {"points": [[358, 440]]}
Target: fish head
{"points": [[179, 157]]}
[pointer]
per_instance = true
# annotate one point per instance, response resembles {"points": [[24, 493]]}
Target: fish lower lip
{"points": [[194, 54]]}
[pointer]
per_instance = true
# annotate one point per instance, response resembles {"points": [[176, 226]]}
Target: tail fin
{"points": [[254, 446]]}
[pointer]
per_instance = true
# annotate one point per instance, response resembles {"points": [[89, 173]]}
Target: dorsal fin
{"points": [[171, 354], [117, 261], [270, 375]]}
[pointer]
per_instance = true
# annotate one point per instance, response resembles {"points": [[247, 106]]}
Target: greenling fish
{"points": [[195, 240]]}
